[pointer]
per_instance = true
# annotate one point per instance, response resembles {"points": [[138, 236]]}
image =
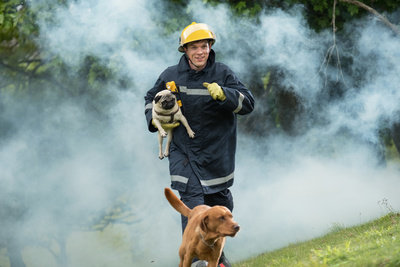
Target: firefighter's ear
{"points": [[157, 98]]}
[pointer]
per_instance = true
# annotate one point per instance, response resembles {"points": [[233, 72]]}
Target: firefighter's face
{"points": [[198, 53]]}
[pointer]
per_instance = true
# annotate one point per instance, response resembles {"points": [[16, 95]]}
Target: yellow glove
{"points": [[216, 91], [167, 126]]}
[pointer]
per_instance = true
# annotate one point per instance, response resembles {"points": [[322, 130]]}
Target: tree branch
{"points": [[31, 75], [331, 50], [370, 9]]}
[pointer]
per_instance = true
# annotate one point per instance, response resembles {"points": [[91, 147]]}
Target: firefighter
{"points": [[211, 95]]}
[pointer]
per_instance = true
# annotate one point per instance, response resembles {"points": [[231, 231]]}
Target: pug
{"points": [[167, 111]]}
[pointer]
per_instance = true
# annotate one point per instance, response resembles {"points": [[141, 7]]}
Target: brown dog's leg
{"points": [[187, 261]]}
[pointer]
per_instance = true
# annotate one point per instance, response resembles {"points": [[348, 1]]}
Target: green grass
{"points": [[376, 243]]}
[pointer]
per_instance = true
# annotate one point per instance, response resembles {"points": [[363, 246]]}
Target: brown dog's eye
{"points": [[222, 218]]}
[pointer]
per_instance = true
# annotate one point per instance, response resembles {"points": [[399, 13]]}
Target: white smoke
{"points": [[286, 189]]}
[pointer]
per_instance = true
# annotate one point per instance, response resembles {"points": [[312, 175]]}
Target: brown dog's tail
{"points": [[176, 203]]}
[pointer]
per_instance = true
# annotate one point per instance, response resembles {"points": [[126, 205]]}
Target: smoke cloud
{"points": [[61, 163]]}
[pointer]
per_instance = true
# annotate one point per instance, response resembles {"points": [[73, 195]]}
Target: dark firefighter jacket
{"points": [[211, 154]]}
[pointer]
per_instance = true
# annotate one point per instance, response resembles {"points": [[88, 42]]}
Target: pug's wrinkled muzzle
{"points": [[168, 103]]}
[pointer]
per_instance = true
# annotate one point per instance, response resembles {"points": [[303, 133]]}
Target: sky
{"points": [[287, 189]]}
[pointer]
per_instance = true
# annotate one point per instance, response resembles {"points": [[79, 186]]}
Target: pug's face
{"points": [[165, 99]]}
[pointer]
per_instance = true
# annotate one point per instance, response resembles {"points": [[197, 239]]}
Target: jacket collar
{"points": [[183, 64]]}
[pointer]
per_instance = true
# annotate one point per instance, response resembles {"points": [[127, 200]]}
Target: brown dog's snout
{"points": [[235, 229]]}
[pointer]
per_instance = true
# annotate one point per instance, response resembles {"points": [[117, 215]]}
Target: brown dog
{"points": [[204, 236], [166, 110]]}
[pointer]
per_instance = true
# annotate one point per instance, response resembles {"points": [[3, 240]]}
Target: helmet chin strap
{"points": [[187, 57]]}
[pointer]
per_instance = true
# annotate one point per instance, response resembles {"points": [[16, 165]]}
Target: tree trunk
{"points": [[14, 254], [395, 132]]}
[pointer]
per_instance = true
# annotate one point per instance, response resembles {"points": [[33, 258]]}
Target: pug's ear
{"points": [[157, 98]]}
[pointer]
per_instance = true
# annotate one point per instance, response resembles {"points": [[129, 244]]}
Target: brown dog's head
{"points": [[219, 220], [165, 99]]}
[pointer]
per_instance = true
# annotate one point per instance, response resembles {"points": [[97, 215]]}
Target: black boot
{"points": [[223, 261]]}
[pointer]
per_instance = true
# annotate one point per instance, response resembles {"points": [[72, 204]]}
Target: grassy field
{"points": [[376, 243]]}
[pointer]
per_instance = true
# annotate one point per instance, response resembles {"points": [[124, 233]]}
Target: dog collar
{"points": [[205, 242], [170, 114]]}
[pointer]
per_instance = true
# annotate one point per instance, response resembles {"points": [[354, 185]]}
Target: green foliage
{"points": [[240, 6], [251, 11], [17, 32], [19, 53], [352, 9], [319, 12], [319, 5], [243, 8], [28, 70]]}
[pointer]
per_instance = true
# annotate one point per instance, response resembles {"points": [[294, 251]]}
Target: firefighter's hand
{"points": [[216, 91], [167, 126]]}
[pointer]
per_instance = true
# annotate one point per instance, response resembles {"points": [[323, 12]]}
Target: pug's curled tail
{"points": [[176, 203]]}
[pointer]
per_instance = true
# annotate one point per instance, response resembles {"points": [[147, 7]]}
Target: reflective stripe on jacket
{"points": [[211, 154]]}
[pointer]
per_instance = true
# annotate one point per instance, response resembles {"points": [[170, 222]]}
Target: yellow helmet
{"points": [[196, 32]]}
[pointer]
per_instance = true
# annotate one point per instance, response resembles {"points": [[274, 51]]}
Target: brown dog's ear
{"points": [[203, 224], [157, 98]]}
